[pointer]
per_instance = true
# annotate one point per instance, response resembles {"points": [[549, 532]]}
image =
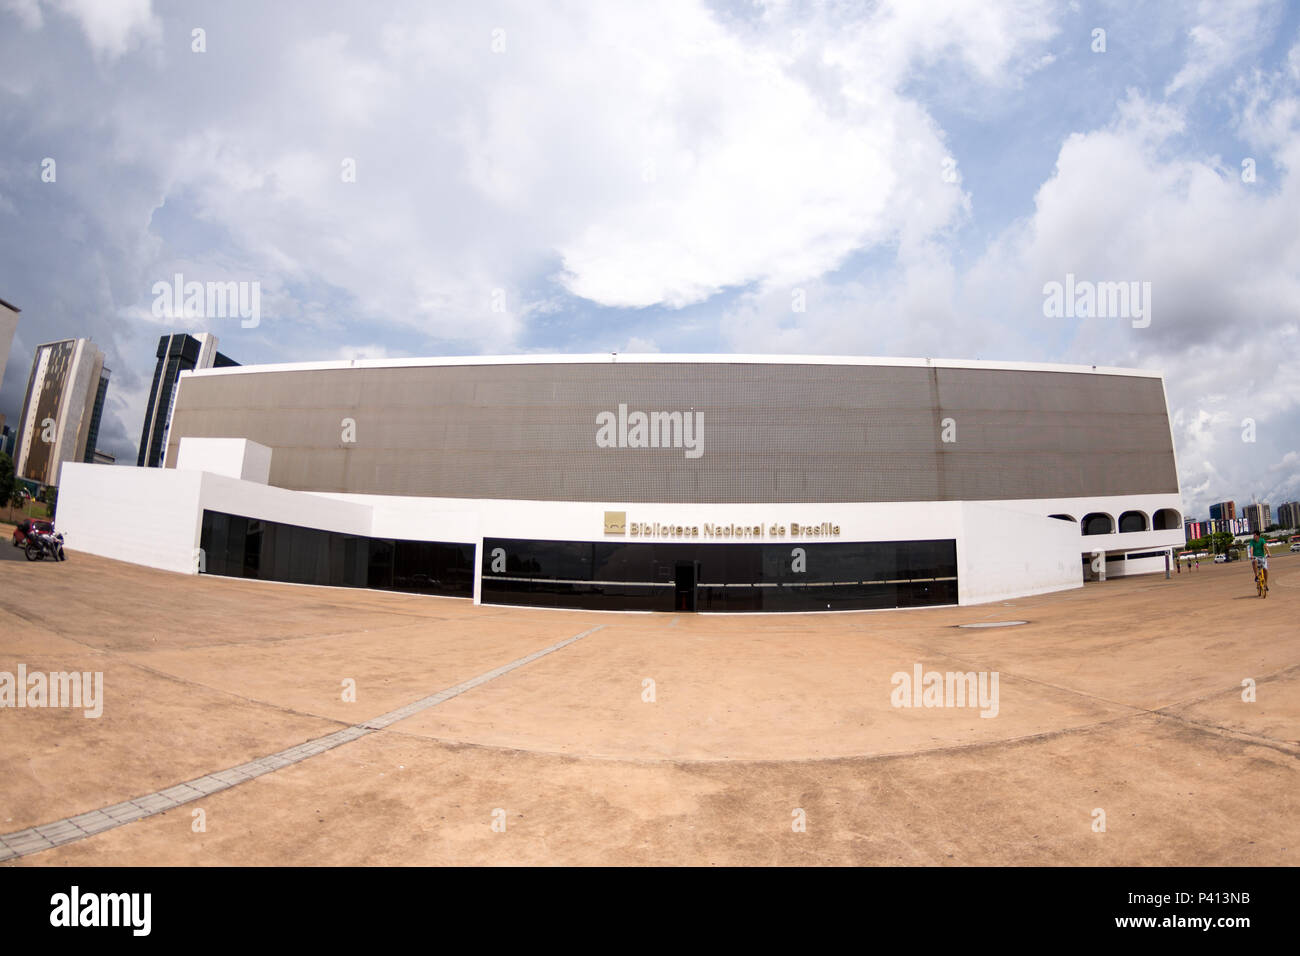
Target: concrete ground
{"points": [[1124, 698]]}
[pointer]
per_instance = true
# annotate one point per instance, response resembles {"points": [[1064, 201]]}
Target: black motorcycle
{"points": [[45, 545]]}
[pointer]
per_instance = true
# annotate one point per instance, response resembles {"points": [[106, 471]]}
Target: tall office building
{"points": [[97, 412], [1258, 517], [1288, 515], [8, 324], [176, 353], [1224, 510], [60, 419]]}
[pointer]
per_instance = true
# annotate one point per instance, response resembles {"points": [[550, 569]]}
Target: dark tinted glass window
{"points": [[789, 576], [1132, 521], [248, 547], [1097, 524]]}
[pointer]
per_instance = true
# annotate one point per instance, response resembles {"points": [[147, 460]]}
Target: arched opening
{"points": [[1098, 523], [1069, 518], [1166, 519], [1131, 521]]}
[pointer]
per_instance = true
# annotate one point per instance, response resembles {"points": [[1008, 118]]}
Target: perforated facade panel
{"points": [[766, 432]]}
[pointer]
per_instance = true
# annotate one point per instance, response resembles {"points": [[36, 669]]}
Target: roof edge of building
{"points": [[671, 358]]}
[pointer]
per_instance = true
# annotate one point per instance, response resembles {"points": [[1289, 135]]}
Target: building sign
{"points": [[616, 523]]}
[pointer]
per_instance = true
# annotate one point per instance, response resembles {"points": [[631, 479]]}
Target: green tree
{"points": [[8, 483], [52, 499], [1221, 541]]}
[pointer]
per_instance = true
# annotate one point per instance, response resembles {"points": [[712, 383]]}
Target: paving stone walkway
{"points": [[49, 835]]}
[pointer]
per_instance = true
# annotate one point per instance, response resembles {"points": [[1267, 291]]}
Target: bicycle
{"points": [[1261, 588]]}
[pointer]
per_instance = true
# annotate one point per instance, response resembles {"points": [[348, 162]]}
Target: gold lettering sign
{"points": [[616, 523]]}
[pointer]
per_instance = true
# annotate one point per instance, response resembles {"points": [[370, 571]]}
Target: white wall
{"points": [[154, 516], [1125, 569], [1008, 552], [256, 500], [1005, 549], [147, 516], [232, 457]]}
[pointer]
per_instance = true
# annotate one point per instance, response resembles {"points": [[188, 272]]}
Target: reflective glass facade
{"points": [[719, 577], [237, 546]]}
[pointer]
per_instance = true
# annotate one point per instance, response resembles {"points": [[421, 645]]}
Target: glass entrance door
{"points": [[685, 587]]}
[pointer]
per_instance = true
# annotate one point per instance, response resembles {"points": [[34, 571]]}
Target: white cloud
{"points": [[1225, 31], [1222, 255], [112, 27], [641, 156], [28, 11], [371, 351], [752, 160]]}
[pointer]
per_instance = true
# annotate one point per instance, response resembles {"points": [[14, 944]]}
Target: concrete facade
{"points": [[1005, 547], [564, 428]]}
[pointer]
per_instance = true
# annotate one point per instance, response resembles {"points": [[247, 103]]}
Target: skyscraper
{"points": [[8, 323], [176, 353], [60, 419], [92, 437], [1288, 515], [1259, 517], [1223, 510]]}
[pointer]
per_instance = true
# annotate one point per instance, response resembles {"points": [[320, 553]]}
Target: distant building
{"points": [[7, 436], [96, 414], [8, 324], [103, 458], [1193, 530], [176, 353], [62, 409], [1258, 517], [1288, 515], [1223, 510]]}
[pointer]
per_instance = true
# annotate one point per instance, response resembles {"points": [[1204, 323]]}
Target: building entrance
{"points": [[685, 586]]}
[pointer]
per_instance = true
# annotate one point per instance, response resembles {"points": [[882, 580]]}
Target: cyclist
{"points": [[1259, 557]]}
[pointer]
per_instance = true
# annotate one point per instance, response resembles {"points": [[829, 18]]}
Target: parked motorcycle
{"points": [[45, 545]]}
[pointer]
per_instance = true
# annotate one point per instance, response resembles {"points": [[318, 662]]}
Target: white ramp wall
{"points": [[154, 516], [148, 516], [232, 457], [1005, 553]]}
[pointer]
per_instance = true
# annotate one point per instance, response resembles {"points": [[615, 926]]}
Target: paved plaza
{"points": [[516, 736]]}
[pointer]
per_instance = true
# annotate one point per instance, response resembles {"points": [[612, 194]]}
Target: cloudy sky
{"points": [[889, 178]]}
